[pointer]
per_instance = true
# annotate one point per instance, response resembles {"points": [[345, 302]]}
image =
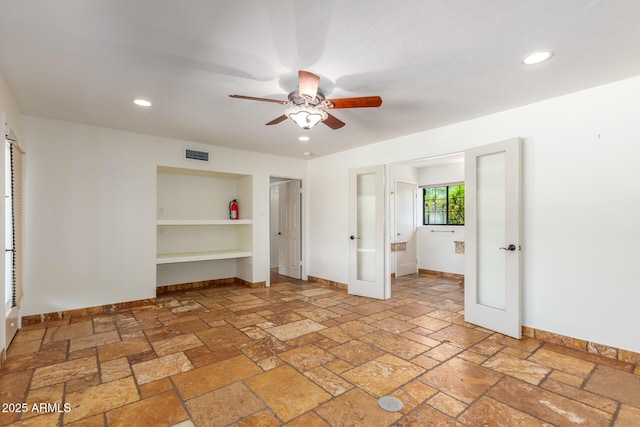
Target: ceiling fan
{"points": [[307, 105]]}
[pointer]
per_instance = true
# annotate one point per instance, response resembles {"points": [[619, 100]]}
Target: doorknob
{"points": [[509, 248], [352, 237]]}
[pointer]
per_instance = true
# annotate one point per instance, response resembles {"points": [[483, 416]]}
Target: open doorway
{"points": [[437, 239], [285, 229]]}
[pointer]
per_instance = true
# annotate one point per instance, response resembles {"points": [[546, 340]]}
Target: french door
{"points": [[367, 237], [492, 237]]}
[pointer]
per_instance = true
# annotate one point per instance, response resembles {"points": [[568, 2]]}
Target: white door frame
{"points": [[302, 221]]}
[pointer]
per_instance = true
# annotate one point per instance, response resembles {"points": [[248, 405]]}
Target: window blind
{"points": [[16, 222]]}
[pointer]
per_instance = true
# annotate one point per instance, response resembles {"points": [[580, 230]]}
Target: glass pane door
{"points": [[366, 223], [492, 234]]}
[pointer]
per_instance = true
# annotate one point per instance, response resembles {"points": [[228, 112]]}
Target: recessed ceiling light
{"points": [[308, 153], [537, 57], [142, 102], [303, 138]]}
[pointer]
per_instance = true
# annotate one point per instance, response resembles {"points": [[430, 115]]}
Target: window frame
{"points": [[447, 201]]}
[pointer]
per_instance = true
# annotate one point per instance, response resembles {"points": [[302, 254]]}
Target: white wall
{"points": [[436, 248], [581, 186], [449, 173], [90, 210]]}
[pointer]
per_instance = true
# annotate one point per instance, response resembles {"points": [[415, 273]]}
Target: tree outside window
{"points": [[444, 205]]}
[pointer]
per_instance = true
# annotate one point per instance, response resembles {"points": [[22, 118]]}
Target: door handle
{"points": [[509, 248], [354, 237]]}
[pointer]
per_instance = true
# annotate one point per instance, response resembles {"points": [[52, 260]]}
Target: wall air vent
{"points": [[197, 155]]}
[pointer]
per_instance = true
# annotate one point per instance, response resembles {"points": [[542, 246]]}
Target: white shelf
{"points": [[201, 256], [162, 222]]}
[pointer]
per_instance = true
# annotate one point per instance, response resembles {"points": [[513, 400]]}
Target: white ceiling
{"points": [[433, 62]]}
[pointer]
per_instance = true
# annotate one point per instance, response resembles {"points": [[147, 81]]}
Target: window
{"points": [[444, 205]]}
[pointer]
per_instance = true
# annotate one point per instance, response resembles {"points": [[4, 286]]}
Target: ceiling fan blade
{"points": [[361, 102], [308, 84], [277, 120], [333, 122], [253, 98]]}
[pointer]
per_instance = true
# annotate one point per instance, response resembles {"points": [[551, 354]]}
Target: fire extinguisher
{"points": [[233, 209]]}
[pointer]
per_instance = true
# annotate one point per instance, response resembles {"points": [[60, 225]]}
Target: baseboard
{"points": [[327, 282], [215, 283], [121, 306], [436, 273], [88, 311], [582, 345]]}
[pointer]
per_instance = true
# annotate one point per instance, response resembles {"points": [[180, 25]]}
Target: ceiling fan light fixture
{"points": [[305, 117]]}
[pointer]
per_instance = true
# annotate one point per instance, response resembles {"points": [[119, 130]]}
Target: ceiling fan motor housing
{"points": [[299, 99]]}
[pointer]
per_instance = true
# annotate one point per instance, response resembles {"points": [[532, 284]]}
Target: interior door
{"points": [[406, 224], [367, 237], [289, 254], [492, 252]]}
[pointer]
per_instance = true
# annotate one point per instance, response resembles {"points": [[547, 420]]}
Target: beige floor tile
{"points": [[222, 337], [628, 417], [123, 348], [356, 352], [382, 375], [264, 418], [491, 412], [524, 370], [101, 398], [616, 384], [356, 408], [547, 406], [295, 329], [161, 410], [460, 379], [65, 371], [447, 404], [425, 415], [330, 382], [287, 392], [395, 344], [568, 364], [162, 367], [413, 394], [459, 336], [72, 330], [80, 343], [211, 377], [176, 344], [308, 420], [307, 357]]}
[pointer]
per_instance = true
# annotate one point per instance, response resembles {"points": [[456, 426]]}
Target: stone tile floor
{"points": [[298, 354]]}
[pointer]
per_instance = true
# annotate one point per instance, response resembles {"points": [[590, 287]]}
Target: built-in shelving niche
{"points": [[196, 240]]}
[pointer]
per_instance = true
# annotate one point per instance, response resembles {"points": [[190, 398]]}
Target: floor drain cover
{"points": [[390, 403]]}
